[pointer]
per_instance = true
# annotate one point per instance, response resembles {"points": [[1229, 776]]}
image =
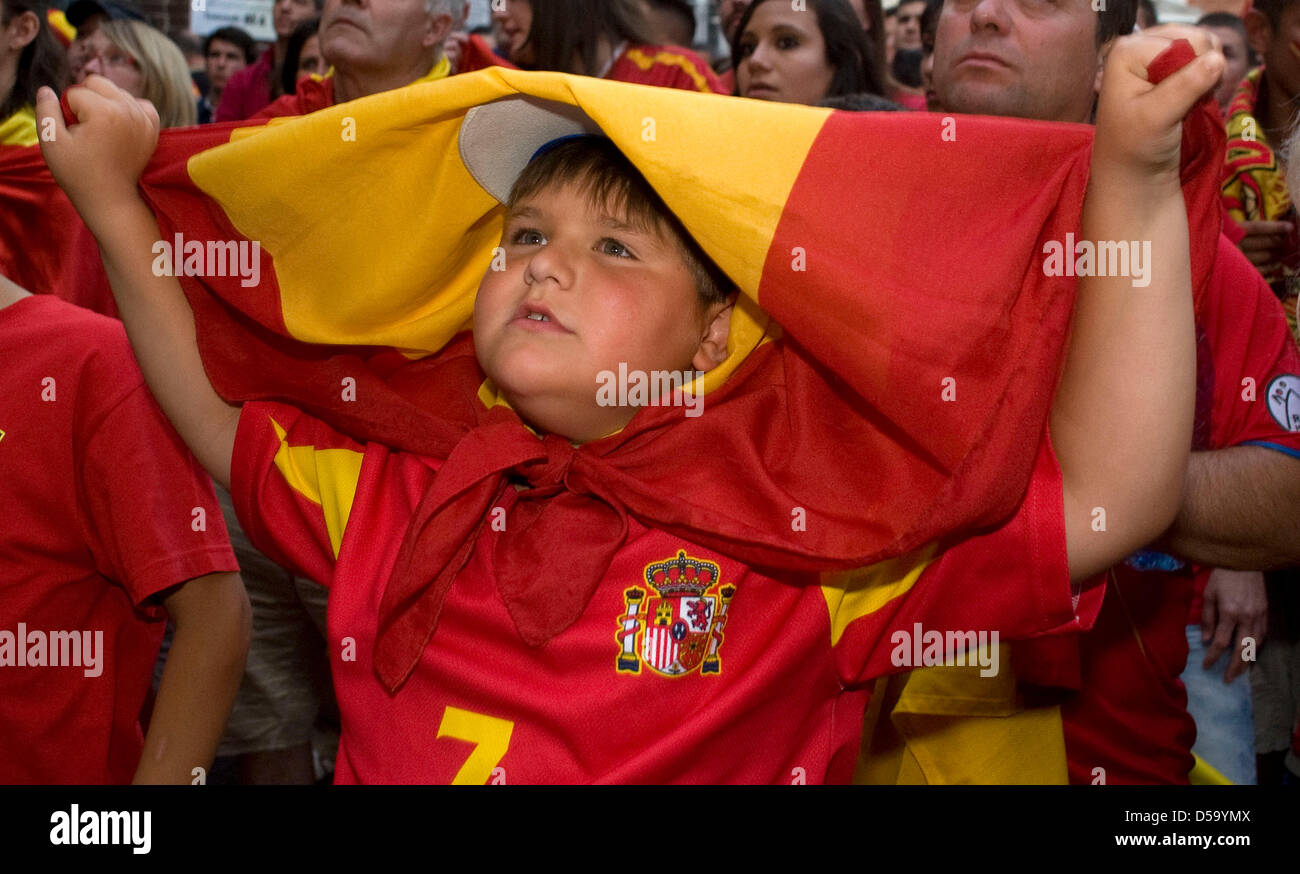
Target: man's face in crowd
{"points": [[222, 61], [1019, 58], [1238, 63], [379, 34], [907, 34], [288, 14], [1278, 47], [668, 27]]}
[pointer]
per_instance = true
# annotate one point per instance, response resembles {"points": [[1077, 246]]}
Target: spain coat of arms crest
{"points": [[674, 625]]}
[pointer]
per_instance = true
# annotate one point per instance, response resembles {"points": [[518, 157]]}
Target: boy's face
{"points": [[584, 290]]}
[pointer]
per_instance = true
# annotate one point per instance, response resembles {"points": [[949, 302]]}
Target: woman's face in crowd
{"points": [[288, 14], [781, 56], [114, 64], [515, 20], [310, 61]]}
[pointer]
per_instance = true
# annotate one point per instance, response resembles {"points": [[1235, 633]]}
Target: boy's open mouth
{"points": [[533, 316]]}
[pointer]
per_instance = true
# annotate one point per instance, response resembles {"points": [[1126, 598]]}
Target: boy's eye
{"points": [[527, 237], [614, 248]]}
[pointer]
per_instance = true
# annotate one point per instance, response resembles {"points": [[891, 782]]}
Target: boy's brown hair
{"points": [[608, 178]]}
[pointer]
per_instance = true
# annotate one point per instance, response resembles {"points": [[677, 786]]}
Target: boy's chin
{"points": [[567, 411]]}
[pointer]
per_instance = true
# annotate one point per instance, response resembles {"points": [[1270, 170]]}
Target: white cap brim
{"points": [[498, 139]]}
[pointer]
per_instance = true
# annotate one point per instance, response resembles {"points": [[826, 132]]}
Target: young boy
{"points": [[108, 522], [682, 664]]}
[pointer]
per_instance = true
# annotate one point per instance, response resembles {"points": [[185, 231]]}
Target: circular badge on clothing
{"points": [[1284, 401]]}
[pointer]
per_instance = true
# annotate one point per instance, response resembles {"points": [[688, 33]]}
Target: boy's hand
{"points": [[1139, 125], [99, 160]]}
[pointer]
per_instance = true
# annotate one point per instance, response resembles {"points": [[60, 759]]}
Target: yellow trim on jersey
{"points": [[857, 593], [59, 23], [19, 129], [670, 59], [1205, 774], [326, 477]]}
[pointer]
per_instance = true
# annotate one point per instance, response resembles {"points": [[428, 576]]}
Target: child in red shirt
{"points": [[680, 656], [109, 522]]}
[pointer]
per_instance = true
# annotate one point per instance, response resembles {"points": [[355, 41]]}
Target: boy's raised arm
{"points": [[1122, 416], [98, 163]]}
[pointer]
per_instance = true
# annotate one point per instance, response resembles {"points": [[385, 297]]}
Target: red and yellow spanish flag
{"points": [[895, 260]]}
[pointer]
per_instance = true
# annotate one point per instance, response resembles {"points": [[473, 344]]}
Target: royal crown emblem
{"points": [[678, 628]]}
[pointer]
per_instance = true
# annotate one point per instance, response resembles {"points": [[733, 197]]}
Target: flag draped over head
{"points": [[895, 261]]}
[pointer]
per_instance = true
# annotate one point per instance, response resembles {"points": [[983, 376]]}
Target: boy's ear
{"points": [[712, 350]]}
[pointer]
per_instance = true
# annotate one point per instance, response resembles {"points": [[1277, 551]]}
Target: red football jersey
{"points": [[104, 507], [668, 67], [1131, 715], [312, 94], [686, 666]]}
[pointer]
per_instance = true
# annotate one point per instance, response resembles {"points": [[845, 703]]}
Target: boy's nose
{"points": [[549, 264]]}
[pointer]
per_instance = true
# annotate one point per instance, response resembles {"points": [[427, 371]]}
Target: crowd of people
{"points": [[1180, 661]]}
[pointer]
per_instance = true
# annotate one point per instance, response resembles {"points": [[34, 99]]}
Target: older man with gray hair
{"points": [[374, 46]]}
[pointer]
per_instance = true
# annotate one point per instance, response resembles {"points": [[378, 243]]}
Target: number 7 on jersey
{"points": [[491, 739]]}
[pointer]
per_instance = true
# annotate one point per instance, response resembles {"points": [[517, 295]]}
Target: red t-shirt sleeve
{"points": [[150, 514], [1014, 580], [1255, 361], [293, 480]]}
